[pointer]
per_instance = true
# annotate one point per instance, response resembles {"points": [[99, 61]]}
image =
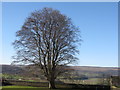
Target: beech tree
{"points": [[47, 39]]}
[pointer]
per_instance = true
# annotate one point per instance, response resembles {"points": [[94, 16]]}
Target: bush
{"points": [[5, 82]]}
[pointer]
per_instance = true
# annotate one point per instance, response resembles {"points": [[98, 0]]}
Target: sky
{"points": [[98, 23]]}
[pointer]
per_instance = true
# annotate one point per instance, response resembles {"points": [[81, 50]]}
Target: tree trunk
{"points": [[52, 84]]}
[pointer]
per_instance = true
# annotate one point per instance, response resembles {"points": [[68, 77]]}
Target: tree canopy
{"points": [[49, 40]]}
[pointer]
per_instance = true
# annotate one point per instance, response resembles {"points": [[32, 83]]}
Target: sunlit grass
{"points": [[23, 88], [28, 88]]}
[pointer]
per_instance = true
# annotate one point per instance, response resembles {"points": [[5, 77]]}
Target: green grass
{"points": [[29, 88], [8, 76], [35, 88]]}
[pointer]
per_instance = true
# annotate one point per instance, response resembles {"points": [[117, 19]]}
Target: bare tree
{"points": [[48, 40]]}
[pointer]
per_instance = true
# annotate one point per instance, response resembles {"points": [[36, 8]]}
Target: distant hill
{"points": [[9, 69], [96, 71], [109, 70], [81, 70]]}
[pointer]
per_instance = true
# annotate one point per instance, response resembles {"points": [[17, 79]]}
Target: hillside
{"points": [[96, 70], [80, 70]]}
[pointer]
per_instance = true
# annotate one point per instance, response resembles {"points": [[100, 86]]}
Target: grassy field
{"points": [[23, 88], [36, 88], [29, 88], [91, 81]]}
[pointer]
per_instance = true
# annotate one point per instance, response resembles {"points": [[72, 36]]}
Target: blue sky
{"points": [[98, 23]]}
